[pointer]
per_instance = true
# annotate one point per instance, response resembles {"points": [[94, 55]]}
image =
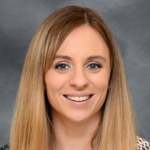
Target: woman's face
{"points": [[81, 68]]}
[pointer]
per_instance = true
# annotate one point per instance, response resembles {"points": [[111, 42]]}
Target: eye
{"points": [[94, 66], [61, 67]]}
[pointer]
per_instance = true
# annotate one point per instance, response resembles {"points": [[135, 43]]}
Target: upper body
{"points": [[73, 92], [141, 144]]}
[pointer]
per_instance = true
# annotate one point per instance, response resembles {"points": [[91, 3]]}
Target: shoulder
{"points": [[142, 144], [6, 147]]}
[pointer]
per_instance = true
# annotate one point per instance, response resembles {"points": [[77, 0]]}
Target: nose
{"points": [[79, 78]]}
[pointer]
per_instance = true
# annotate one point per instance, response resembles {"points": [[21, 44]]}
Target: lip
{"points": [[80, 103], [79, 94]]}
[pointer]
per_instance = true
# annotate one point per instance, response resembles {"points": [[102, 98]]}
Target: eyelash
{"points": [[57, 66]]}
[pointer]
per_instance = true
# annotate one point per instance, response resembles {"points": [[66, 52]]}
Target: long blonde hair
{"points": [[31, 127]]}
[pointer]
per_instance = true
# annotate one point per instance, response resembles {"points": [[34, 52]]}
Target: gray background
{"points": [[129, 21]]}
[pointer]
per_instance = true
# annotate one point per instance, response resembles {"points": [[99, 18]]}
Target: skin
{"points": [[74, 126]]}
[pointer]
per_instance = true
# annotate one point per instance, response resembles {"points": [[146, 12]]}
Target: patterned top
{"points": [[141, 144], [6, 147]]}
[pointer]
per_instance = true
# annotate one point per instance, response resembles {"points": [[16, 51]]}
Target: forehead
{"points": [[83, 41]]}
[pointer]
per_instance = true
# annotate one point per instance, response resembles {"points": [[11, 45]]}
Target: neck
{"points": [[74, 135]]}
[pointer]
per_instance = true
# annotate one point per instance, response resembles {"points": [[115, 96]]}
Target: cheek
{"points": [[101, 80], [101, 84], [54, 81]]}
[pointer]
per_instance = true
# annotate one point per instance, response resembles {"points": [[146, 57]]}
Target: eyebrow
{"points": [[89, 58]]}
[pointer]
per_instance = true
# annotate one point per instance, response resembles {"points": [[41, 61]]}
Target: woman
{"points": [[73, 92]]}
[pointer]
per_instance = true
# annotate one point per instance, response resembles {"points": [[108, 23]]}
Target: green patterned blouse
{"points": [[6, 147]]}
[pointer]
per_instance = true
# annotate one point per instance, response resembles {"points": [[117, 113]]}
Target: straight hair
{"points": [[31, 126]]}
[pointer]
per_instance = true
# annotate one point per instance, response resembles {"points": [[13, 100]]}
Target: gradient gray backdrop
{"points": [[129, 21]]}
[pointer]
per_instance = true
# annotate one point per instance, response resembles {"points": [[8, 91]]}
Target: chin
{"points": [[78, 117]]}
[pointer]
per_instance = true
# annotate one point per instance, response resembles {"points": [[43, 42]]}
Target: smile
{"points": [[78, 99]]}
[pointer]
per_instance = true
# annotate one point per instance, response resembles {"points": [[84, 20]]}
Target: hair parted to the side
{"points": [[31, 126]]}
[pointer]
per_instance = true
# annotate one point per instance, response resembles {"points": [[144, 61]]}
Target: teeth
{"points": [[78, 98]]}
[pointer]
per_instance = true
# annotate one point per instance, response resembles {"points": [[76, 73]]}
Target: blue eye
{"points": [[95, 66], [64, 67], [61, 66]]}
